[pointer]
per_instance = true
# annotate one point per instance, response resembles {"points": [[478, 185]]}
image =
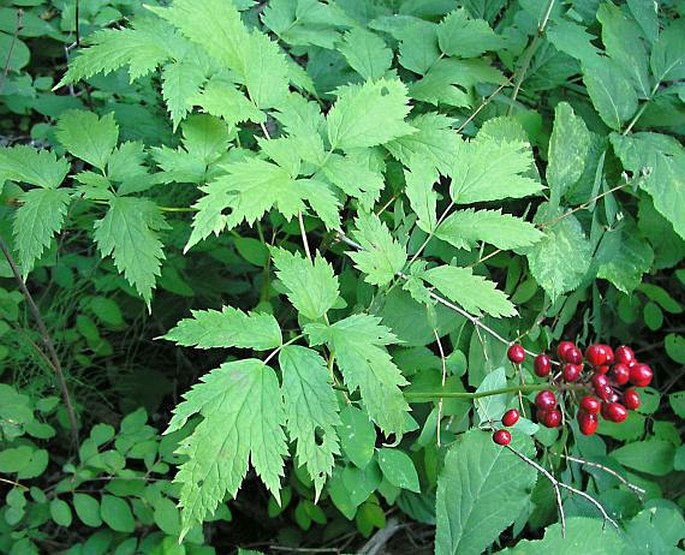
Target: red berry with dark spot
{"points": [[624, 354], [542, 365], [516, 354], [563, 347], [550, 418], [615, 412], [590, 404], [587, 423], [545, 400], [596, 355], [620, 373], [631, 399], [510, 417], [641, 375], [502, 437], [573, 355], [571, 372]]}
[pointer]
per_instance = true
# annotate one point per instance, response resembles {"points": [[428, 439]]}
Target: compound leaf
{"points": [[381, 256], [89, 137], [25, 164]]}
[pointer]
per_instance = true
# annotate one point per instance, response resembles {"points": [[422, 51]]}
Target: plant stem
{"points": [[278, 349], [427, 396]]}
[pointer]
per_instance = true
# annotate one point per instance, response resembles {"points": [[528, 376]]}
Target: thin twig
{"points": [[635, 489], [592, 500], [13, 483], [443, 381], [52, 356], [483, 105], [303, 232]]}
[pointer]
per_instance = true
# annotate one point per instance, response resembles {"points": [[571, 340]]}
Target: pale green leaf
{"points": [[568, 150], [354, 177], [398, 469], [659, 163], [221, 98], [481, 490], [560, 260], [311, 411], [461, 36], [323, 200], [180, 81], [231, 327], [624, 258], [381, 256], [668, 55], [129, 233], [492, 407], [36, 221], [610, 90], [488, 169], [441, 85], [358, 343], [573, 39], [418, 40], [420, 179], [25, 164], [312, 287], [369, 114], [357, 435], [474, 293], [366, 53], [242, 410], [466, 228], [88, 137]]}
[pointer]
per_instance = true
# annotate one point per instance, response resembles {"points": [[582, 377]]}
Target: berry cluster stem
{"points": [[428, 396]]}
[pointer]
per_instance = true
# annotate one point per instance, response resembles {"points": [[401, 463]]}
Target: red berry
{"points": [[602, 369], [502, 437], [545, 400], [641, 375], [516, 354], [620, 373], [631, 399], [624, 354], [606, 393], [590, 404], [599, 381], [542, 365], [571, 372], [573, 355], [596, 355], [615, 412], [510, 417], [550, 418], [609, 354], [563, 347], [587, 423]]}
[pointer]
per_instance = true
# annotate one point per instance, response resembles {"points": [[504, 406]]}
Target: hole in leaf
{"points": [[319, 434], [385, 91]]}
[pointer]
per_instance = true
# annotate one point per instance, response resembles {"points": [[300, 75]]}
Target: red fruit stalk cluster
{"points": [[607, 378]]}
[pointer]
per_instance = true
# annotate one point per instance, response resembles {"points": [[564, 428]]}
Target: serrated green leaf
{"points": [[659, 163], [180, 81], [129, 233], [243, 414], [368, 115], [88, 137], [668, 54], [492, 407], [418, 41], [398, 469], [354, 177], [358, 343], [312, 286], [311, 411], [221, 98], [572, 39], [624, 258], [25, 164], [488, 169], [651, 456], [658, 528], [475, 293], [610, 90], [357, 435], [459, 35], [116, 513], [560, 260], [142, 48], [323, 200], [568, 150], [231, 327], [466, 228], [382, 256], [366, 53], [481, 490], [36, 221], [420, 179]]}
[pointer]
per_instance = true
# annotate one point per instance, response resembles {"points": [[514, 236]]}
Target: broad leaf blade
{"points": [[36, 167], [89, 137]]}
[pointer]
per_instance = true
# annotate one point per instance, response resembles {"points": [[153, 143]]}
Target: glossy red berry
{"points": [[624, 354], [571, 372], [502, 437], [510, 417], [545, 400], [602, 369], [562, 347], [620, 373], [631, 399], [599, 381], [596, 355], [550, 418], [641, 375], [605, 393], [587, 423], [542, 365], [573, 355], [590, 404], [610, 356], [615, 412], [516, 354]]}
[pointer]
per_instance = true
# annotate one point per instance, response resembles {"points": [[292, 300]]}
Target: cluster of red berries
{"points": [[503, 437], [601, 373]]}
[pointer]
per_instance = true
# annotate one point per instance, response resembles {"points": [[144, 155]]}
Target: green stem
{"points": [[277, 350], [427, 396]]}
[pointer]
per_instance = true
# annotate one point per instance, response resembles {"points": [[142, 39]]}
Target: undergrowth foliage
{"points": [[414, 187]]}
